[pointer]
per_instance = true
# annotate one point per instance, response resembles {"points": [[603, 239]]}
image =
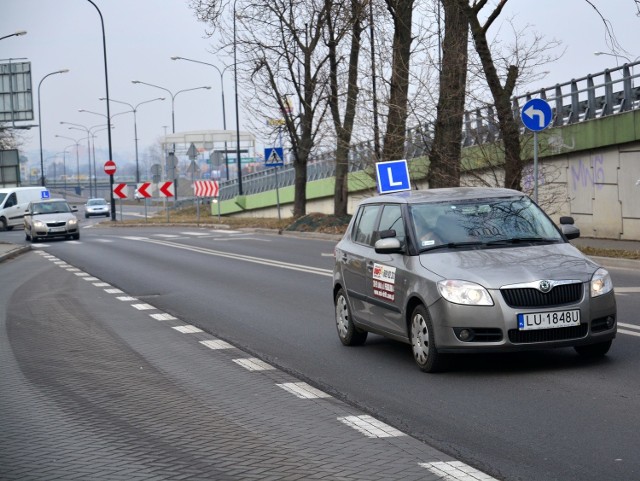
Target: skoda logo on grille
{"points": [[545, 286]]}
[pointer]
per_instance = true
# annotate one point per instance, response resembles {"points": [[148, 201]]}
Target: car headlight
{"points": [[601, 283], [464, 292], [72, 221], [38, 224]]}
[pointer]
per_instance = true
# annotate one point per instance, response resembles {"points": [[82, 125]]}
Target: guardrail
{"points": [[605, 93]]}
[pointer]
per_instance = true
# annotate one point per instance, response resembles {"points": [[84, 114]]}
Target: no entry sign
{"points": [[110, 167]]}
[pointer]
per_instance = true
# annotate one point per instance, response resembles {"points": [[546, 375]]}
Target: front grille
{"points": [[529, 297], [56, 224], [546, 335]]}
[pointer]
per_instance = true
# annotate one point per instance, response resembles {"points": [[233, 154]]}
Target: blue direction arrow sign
{"points": [[273, 157], [392, 176], [536, 115]]}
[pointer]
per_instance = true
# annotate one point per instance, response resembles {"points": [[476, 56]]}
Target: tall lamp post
{"points": [[134, 110], [106, 85], [14, 34], [77, 144], [173, 115], [40, 122], [224, 115], [235, 80], [88, 131]]}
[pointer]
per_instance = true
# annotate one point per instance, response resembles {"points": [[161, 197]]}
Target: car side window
{"points": [[365, 224], [392, 219], [11, 201]]}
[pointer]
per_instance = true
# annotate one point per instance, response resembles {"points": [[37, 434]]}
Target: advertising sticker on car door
{"points": [[384, 278]]}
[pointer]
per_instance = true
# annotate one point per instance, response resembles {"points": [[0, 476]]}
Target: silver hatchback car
{"points": [[49, 218], [468, 270]]}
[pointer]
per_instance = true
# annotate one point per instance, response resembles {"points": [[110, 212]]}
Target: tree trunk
{"points": [[444, 158], [507, 122], [394, 139], [344, 130]]}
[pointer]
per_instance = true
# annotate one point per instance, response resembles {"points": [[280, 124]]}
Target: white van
{"points": [[14, 202]]}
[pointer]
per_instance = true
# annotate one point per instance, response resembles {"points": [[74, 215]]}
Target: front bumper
{"points": [[495, 328]]}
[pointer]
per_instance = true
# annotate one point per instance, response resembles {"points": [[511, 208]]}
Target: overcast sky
{"points": [[142, 35]]}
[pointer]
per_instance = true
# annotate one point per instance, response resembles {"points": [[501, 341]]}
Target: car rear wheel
{"points": [[594, 350], [348, 333], [425, 352]]}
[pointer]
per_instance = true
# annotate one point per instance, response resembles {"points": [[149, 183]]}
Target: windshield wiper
{"points": [[518, 240], [452, 245]]}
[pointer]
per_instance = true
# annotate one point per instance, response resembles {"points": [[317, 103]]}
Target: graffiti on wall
{"points": [[584, 175]]}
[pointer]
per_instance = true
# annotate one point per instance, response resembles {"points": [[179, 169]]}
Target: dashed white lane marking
{"points": [[143, 307], [60, 263], [303, 390], [101, 284], [103, 240], [371, 427], [126, 298], [163, 317], [456, 471], [74, 242], [216, 344], [113, 291], [73, 269], [626, 290], [91, 279], [629, 326], [81, 274], [187, 329], [253, 364], [195, 233], [134, 238], [166, 236]]}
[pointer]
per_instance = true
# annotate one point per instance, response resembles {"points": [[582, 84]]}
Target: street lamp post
{"points": [[77, 144], [173, 116], [235, 80], [224, 115], [14, 34], [88, 131], [106, 84], [134, 110], [40, 122]]}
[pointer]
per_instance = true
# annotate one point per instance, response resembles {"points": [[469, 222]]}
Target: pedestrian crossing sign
{"points": [[273, 157]]}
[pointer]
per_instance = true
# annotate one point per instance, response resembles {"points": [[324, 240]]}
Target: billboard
{"points": [[16, 102]]}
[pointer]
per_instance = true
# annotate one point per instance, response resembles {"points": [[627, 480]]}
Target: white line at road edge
{"points": [[456, 471], [241, 257]]}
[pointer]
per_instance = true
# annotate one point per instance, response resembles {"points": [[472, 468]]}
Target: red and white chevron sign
{"points": [[205, 188]]}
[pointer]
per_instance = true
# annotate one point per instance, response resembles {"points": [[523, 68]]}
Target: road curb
{"points": [[7, 251]]}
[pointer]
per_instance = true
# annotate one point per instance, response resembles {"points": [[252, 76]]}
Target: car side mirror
{"points": [[388, 245], [569, 230], [74, 208]]}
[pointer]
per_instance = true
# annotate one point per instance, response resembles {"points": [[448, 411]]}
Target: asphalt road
{"points": [[546, 415]]}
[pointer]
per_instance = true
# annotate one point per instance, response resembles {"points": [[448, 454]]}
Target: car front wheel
{"points": [[348, 333], [425, 352]]}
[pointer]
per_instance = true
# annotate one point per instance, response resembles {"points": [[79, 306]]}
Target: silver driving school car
{"points": [[50, 218], [468, 270]]}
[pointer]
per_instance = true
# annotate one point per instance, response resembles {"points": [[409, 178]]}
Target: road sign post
{"points": [[274, 157], [110, 170], [536, 116]]}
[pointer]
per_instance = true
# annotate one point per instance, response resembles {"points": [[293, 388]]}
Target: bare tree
{"points": [[402, 14], [282, 42], [444, 166], [338, 24]]}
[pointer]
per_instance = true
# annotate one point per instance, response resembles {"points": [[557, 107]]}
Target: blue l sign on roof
{"points": [[273, 157], [45, 194], [392, 176], [536, 115]]}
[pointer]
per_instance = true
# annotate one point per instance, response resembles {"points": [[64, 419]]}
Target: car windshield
{"points": [[96, 202], [51, 208], [481, 222]]}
